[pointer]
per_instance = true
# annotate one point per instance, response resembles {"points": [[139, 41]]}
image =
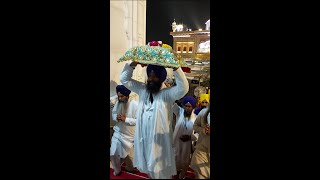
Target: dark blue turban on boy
{"points": [[123, 90], [189, 99]]}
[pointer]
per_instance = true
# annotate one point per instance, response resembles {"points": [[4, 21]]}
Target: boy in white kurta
{"points": [[153, 152], [124, 112], [183, 133]]}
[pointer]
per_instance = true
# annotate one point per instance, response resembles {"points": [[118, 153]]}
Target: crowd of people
{"points": [[155, 134]]}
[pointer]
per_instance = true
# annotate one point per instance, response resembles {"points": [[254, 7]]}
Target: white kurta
{"points": [[184, 126], [123, 136], [153, 152]]}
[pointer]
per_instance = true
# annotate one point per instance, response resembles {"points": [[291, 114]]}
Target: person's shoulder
{"points": [[202, 111], [164, 91], [133, 102], [114, 105], [180, 108]]}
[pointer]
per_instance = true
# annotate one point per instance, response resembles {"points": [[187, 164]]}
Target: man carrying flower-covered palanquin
{"points": [[153, 152]]}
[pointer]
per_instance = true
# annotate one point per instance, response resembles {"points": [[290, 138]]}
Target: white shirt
{"points": [[153, 150]]}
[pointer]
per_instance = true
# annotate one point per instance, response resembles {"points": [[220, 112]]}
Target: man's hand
{"points": [[185, 138], [121, 117], [133, 64]]}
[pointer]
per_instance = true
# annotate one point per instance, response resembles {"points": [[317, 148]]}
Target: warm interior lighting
{"points": [[181, 36]]}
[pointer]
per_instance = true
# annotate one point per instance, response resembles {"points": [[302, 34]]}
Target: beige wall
{"points": [[127, 29]]}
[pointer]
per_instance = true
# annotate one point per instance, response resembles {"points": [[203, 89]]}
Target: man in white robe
{"points": [[153, 152], [200, 161], [183, 134], [124, 113]]}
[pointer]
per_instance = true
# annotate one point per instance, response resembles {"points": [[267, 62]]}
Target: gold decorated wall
{"points": [[186, 44]]}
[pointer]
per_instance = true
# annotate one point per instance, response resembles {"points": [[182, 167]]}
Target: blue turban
{"points": [[159, 71], [123, 90], [189, 99]]}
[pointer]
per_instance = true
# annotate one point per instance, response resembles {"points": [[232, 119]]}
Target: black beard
{"points": [[153, 87], [122, 107], [187, 114]]}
